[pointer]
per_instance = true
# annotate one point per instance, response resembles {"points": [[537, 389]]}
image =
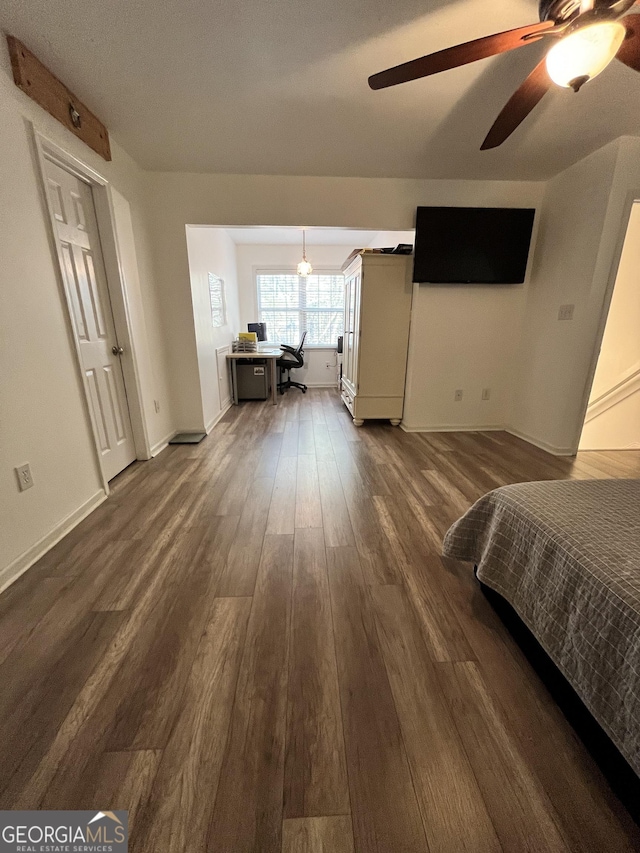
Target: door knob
{"points": [[116, 350]]}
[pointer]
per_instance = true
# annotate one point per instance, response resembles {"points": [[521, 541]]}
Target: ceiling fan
{"points": [[584, 36]]}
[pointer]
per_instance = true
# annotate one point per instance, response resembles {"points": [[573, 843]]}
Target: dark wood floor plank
{"points": [[282, 510], [335, 515], [306, 439], [176, 814], [290, 438], [592, 817], [318, 835], [133, 675], [445, 639], [453, 810], [308, 505], [36, 652], [30, 721], [114, 685], [20, 613], [124, 781], [315, 769], [234, 497], [376, 554], [322, 443], [239, 574], [385, 812], [248, 806], [271, 450], [522, 814]]}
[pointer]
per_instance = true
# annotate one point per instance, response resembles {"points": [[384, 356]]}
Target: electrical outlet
{"points": [[566, 312], [457, 395], [156, 404], [486, 393], [23, 473]]}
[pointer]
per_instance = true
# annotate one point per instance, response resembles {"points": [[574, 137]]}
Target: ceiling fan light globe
{"points": [[304, 268], [585, 52]]}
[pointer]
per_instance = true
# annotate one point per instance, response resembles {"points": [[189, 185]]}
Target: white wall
{"points": [[211, 250], [613, 420], [620, 349], [370, 203], [384, 239], [466, 337], [44, 420], [579, 242]]}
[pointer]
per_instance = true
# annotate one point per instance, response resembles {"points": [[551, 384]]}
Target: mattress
{"points": [[566, 556]]}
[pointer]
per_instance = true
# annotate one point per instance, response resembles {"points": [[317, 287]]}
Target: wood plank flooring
{"points": [[255, 645]]}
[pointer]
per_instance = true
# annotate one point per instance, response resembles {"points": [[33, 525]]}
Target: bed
{"points": [[566, 556]]}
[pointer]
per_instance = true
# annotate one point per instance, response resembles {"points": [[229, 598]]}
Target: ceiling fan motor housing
{"points": [[562, 11]]}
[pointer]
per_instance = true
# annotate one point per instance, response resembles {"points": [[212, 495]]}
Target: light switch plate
{"points": [[565, 312]]}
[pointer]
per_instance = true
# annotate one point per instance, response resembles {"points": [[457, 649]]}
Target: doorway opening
{"points": [[612, 420], [252, 271]]}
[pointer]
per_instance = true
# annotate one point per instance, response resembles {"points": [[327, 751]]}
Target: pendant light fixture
{"points": [[304, 267]]}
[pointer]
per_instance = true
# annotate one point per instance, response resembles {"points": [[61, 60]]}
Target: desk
{"points": [[271, 355]]}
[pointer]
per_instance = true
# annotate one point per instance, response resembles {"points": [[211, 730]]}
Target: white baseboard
{"points": [[159, 446], [225, 408], [453, 428], [320, 384], [20, 565], [634, 446], [543, 445]]}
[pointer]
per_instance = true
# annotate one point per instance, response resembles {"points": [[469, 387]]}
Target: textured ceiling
{"points": [[280, 86]]}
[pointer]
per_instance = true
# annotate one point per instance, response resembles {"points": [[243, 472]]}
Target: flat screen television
{"points": [[472, 245]]}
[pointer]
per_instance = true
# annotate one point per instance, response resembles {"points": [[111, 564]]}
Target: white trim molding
{"points": [[620, 391], [218, 417], [20, 565], [319, 384], [454, 428], [223, 374], [159, 446], [543, 445]]}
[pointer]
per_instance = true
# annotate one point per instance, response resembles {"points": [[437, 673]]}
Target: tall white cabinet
{"points": [[378, 292]]}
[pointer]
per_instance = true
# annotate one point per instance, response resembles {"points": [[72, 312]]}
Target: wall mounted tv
{"points": [[472, 245]]}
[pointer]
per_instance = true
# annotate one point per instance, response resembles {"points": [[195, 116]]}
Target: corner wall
{"points": [[211, 250], [579, 245]]}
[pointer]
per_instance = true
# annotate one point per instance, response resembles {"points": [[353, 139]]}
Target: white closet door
{"points": [[91, 316]]}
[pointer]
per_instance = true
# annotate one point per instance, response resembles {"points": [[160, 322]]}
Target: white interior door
{"points": [[88, 300]]}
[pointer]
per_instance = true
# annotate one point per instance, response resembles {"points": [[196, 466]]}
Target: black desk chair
{"points": [[291, 358]]}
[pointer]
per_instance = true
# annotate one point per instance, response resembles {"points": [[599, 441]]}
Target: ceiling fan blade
{"points": [[629, 52], [519, 106], [460, 54]]}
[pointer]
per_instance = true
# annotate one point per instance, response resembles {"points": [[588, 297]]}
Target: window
{"points": [[218, 302], [290, 304]]}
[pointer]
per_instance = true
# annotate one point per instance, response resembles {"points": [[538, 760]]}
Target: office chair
{"points": [[290, 359]]}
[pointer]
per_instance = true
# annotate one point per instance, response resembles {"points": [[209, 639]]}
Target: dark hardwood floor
{"points": [[255, 645]]}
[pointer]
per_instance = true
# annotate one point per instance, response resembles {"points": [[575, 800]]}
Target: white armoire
{"points": [[378, 293]]}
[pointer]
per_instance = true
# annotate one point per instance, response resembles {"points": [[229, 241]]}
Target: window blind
{"points": [[290, 304]]}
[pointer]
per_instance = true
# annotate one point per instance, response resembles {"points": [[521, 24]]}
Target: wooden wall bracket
{"points": [[39, 83]]}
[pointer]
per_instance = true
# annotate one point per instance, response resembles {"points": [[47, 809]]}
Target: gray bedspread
{"points": [[566, 555]]}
